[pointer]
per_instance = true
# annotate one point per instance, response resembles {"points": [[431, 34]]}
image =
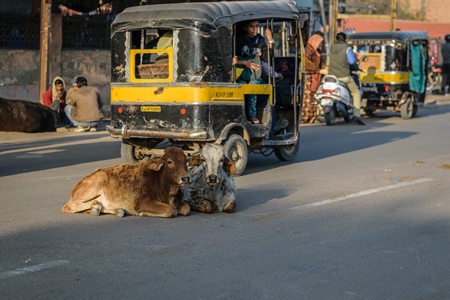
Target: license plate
{"points": [[150, 108]]}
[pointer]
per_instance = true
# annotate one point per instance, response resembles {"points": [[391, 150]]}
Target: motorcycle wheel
{"points": [[132, 154], [330, 117], [369, 112], [235, 148], [287, 153], [407, 109]]}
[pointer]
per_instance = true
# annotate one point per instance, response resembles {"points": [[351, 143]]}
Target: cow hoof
{"points": [[120, 213], [208, 207], [230, 207], [95, 211], [184, 210]]}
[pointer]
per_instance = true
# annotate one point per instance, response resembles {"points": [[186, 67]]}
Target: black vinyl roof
{"points": [[400, 36], [205, 17]]}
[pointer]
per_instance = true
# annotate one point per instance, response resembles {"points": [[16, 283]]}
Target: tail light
{"points": [[327, 91]]}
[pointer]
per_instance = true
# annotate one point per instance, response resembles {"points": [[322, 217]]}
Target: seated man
{"points": [[55, 98], [84, 106]]}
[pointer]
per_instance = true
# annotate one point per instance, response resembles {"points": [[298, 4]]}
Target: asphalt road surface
{"points": [[362, 213]]}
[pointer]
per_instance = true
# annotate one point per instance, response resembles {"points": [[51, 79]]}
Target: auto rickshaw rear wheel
{"points": [[287, 153], [132, 154], [235, 148], [407, 109]]}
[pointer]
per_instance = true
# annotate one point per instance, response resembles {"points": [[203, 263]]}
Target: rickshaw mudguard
{"points": [[236, 127], [405, 97]]}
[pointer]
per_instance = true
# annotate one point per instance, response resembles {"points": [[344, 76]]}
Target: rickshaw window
{"points": [[151, 55], [284, 44]]}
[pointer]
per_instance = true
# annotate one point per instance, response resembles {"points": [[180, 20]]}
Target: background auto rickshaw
{"points": [[395, 66], [180, 89]]}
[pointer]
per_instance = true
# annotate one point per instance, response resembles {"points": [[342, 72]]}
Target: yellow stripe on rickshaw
{"points": [[186, 93]]}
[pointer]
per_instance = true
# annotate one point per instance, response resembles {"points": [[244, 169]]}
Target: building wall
{"points": [[19, 72], [433, 10]]}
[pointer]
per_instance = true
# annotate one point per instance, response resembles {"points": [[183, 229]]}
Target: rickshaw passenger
{"points": [[163, 41], [342, 62], [250, 45]]}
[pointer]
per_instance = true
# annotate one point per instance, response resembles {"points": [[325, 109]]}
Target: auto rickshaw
{"points": [[180, 88], [394, 70]]}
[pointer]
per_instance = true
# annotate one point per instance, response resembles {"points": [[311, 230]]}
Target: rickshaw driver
{"points": [[342, 61], [249, 45]]}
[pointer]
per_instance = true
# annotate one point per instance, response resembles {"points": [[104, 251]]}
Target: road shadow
{"points": [[57, 153], [315, 138]]}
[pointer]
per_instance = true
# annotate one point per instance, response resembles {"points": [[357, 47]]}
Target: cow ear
{"points": [[195, 161], [229, 166], [155, 164]]}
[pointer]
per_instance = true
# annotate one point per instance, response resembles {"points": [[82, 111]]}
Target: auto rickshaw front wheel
{"points": [[287, 153], [132, 154], [408, 109], [235, 148]]}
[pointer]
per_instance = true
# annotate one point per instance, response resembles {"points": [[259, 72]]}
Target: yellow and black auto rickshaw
{"points": [[173, 81], [394, 70]]}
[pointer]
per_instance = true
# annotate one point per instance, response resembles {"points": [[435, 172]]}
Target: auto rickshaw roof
{"points": [[205, 17], [398, 36]]}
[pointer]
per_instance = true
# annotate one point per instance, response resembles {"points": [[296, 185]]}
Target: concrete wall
{"points": [[20, 69], [19, 72]]}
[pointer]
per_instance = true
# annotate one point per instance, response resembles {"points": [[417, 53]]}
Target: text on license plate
{"points": [[150, 108]]}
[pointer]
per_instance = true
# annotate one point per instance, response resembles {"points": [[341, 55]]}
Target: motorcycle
{"points": [[335, 100], [434, 77]]}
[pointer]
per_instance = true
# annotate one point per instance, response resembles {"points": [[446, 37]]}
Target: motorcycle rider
{"points": [[445, 50], [342, 62]]}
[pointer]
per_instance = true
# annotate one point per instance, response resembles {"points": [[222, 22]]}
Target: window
{"points": [[151, 55]]}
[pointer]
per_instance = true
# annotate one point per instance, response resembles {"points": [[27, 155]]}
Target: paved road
{"points": [[362, 213]]}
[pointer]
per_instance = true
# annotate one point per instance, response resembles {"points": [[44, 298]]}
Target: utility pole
{"points": [[393, 13], [325, 27], [46, 7], [334, 9]]}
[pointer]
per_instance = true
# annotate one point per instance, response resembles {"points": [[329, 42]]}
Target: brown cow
{"points": [[148, 189], [25, 116], [212, 187]]}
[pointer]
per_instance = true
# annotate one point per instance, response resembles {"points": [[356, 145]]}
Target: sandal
{"points": [[253, 120]]}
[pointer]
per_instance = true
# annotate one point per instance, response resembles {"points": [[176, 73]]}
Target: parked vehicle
{"points": [[190, 96], [335, 100], [395, 70]]}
